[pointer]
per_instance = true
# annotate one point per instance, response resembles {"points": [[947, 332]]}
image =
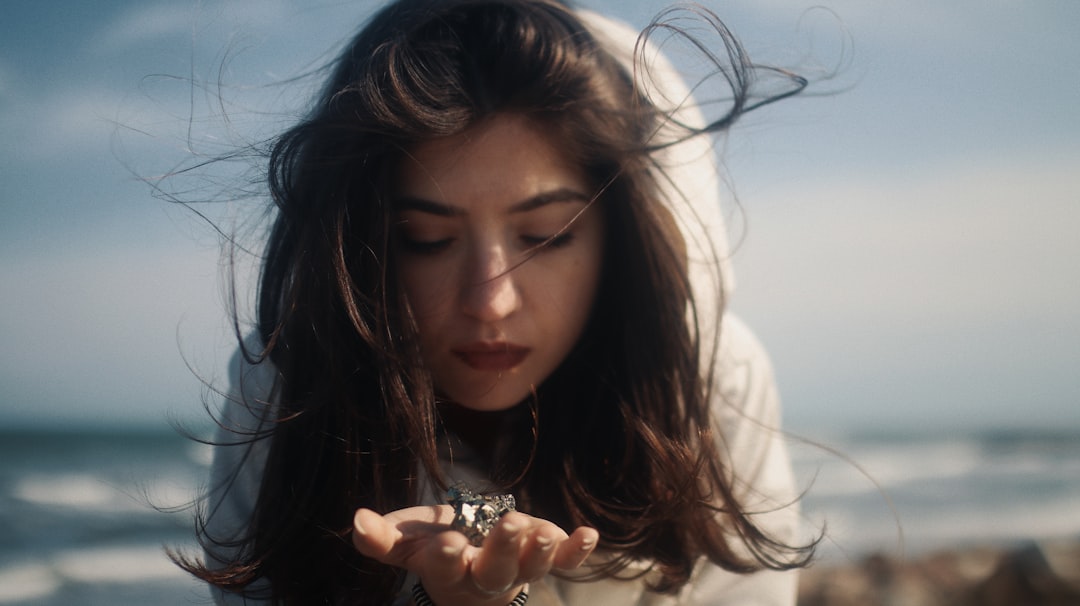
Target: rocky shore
{"points": [[1032, 574]]}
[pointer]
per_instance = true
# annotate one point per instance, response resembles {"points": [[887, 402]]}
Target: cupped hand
{"points": [[520, 548]]}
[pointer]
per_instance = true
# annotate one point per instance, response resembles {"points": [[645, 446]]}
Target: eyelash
{"points": [[555, 241], [423, 247]]}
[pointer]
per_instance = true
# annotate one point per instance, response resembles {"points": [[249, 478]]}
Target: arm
{"points": [[747, 411], [418, 539], [238, 463]]}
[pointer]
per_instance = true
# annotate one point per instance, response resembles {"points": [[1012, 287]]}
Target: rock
{"points": [[1024, 576], [1031, 574]]}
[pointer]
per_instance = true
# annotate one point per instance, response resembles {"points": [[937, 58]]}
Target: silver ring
{"points": [[487, 592], [474, 514]]}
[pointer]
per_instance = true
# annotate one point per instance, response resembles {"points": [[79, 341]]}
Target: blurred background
{"points": [[905, 246]]}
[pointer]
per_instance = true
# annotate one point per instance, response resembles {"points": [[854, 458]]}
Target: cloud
{"points": [[141, 24], [104, 334], [970, 244], [941, 296], [7, 82]]}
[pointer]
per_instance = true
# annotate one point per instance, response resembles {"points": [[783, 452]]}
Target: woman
{"points": [[497, 260]]}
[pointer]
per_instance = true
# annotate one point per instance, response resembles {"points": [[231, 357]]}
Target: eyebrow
{"points": [[562, 194]]}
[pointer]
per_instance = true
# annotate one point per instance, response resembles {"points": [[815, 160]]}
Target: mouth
{"points": [[491, 356]]}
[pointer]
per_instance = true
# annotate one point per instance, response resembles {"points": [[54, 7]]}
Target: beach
{"points": [[912, 518], [943, 518], [1030, 573]]}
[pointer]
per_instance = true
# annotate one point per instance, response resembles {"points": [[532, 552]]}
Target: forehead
{"points": [[504, 159]]}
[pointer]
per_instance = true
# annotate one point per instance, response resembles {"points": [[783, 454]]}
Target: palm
{"points": [[521, 548]]}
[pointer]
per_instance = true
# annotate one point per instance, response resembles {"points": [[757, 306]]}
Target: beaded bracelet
{"points": [[421, 597]]}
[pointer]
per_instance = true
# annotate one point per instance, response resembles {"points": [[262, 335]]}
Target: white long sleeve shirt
{"points": [[747, 415]]}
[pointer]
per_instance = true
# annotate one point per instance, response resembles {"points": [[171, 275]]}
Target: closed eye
{"points": [[425, 247], [554, 241]]}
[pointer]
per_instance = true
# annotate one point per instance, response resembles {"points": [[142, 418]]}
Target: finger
{"points": [[572, 552], [432, 514], [539, 552], [444, 562], [396, 537], [374, 536], [496, 566]]}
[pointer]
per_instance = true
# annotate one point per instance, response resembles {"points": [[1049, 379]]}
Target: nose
{"points": [[491, 292]]}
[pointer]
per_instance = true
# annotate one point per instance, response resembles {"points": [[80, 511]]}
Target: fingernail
{"points": [[511, 528], [587, 544], [544, 542], [358, 529]]}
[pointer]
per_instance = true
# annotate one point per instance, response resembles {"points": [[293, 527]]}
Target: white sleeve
{"points": [[747, 410], [239, 460]]}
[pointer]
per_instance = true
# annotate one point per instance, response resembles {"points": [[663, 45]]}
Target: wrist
{"points": [[420, 597]]}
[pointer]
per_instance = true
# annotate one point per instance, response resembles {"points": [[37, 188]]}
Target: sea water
{"points": [[907, 493], [85, 517]]}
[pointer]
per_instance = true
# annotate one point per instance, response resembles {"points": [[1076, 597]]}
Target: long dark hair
{"points": [[619, 438]]}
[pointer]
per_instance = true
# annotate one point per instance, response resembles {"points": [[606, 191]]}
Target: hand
{"points": [[519, 549]]}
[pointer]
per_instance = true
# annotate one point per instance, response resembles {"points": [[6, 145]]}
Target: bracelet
{"points": [[421, 597]]}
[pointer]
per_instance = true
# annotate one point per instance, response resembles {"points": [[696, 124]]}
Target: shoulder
{"points": [[746, 413], [241, 445], [747, 421], [252, 381], [743, 376]]}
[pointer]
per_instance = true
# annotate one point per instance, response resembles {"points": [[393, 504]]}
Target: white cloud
{"points": [[947, 297], [974, 243], [105, 333], [144, 23]]}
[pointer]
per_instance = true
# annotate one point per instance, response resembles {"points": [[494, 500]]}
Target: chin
{"points": [[491, 402]]}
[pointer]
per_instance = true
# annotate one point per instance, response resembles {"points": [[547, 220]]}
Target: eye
{"points": [[554, 241], [424, 247]]}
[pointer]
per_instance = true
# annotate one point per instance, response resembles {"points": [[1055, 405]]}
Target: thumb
{"points": [[373, 535]]}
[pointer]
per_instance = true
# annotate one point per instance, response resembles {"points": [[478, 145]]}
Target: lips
{"points": [[494, 356]]}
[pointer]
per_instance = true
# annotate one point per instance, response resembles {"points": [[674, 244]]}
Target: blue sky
{"points": [[907, 242]]}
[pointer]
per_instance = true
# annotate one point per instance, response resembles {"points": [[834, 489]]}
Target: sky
{"points": [[905, 232]]}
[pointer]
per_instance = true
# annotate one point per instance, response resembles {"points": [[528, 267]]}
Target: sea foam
{"points": [[25, 582], [91, 493], [134, 564]]}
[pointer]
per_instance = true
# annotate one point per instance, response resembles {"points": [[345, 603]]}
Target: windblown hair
{"points": [[619, 438]]}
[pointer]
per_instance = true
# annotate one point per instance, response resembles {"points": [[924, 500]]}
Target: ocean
{"points": [[78, 523], [85, 517], [907, 493]]}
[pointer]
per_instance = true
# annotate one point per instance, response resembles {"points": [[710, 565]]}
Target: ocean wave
{"points": [[88, 492], [130, 565], [83, 491], [25, 582], [866, 467], [135, 564], [200, 454], [860, 526]]}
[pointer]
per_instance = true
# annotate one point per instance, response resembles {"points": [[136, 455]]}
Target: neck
{"points": [[482, 431]]}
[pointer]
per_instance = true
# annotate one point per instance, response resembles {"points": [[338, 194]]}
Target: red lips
{"points": [[491, 356]]}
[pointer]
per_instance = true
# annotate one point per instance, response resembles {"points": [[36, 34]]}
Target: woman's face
{"points": [[499, 253]]}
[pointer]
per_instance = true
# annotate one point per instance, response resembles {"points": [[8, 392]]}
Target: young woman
{"points": [[498, 264]]}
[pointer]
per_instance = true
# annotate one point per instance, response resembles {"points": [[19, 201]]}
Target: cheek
{"points": [[570, 291], [587, 287], [429, 289], [590, 267]]}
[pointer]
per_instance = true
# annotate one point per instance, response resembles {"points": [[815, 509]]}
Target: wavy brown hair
{"points": [[619, 438]]}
